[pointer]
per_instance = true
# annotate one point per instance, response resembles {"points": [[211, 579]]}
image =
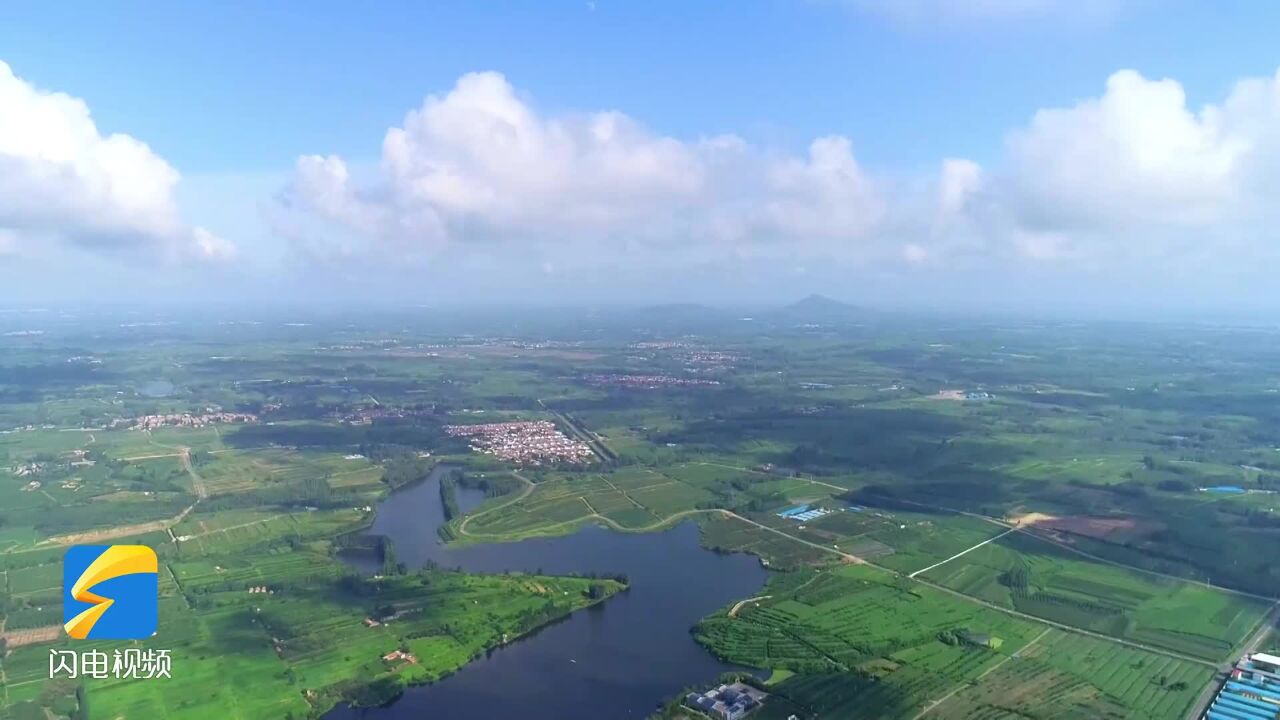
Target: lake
{"points": [[619, 659]]}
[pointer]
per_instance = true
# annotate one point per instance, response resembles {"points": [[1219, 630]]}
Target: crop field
{"points": [[236, 470], [890, 426], [861, 644], [1041, 579], [633, 500], [854, 618], [730, 534], [247, 655], [1065, 676]]}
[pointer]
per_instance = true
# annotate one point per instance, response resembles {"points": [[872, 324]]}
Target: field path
{"points": [[624, 492], [776, 531], [93, 536], [546, 529], [1069, 628], [962, 552], [975, 681], [135, 458], [733, 612], [528, 488], [550, 529], [251, 523], [197, 482], [1029, 530]]}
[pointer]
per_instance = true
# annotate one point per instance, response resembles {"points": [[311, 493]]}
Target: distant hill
{"points": [[819, 308], [820, 303]]}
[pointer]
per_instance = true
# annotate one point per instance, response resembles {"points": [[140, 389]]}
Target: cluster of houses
{"points": [[645, 381], [151, 422], [31, 468], [396, 656], [367, 415], [713, 358], [73, 459], [536, 442], [727, 702]]}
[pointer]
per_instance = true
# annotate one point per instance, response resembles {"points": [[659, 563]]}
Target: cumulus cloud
{"points": [[1132, 172], [958, 182], [481, 165], [63, 180], [825, 195], [1137, 154]]}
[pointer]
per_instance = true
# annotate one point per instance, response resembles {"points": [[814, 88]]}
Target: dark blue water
{"points": [[615, 660]]}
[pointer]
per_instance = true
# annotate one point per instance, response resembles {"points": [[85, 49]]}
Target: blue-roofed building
{"points": [[1251, 692]]}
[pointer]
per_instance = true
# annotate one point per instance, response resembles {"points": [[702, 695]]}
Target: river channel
{"points": [[615, 660]]}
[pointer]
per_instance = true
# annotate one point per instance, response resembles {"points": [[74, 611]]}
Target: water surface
{"points": [[615, 660]]}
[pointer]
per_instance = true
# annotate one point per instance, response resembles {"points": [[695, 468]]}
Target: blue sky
{"points": [[231, 95]]}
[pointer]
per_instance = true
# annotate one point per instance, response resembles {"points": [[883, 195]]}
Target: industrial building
{"points": [[727, 702], [1251, 692], [803, 513]]}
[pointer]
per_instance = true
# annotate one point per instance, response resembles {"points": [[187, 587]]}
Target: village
{"points": [[535, 442], [189, 420], [645, 381]]}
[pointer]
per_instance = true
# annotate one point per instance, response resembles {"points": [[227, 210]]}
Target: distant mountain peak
{"points": [[819, 302], [819, 308]]}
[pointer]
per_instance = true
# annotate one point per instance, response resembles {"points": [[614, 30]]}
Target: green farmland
{"points": [[1039, 578], [857, 642]]}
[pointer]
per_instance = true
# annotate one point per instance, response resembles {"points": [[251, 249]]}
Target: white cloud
{"points": [[481, 165], [826, 196], [959, 181], [1135, 155], [208, 246], [62, 180], [1132, 173], [915, 254]]}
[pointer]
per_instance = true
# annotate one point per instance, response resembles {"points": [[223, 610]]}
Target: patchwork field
{"points": [[857, 642], [1065, 676], [305, 644], [1038, 578]]}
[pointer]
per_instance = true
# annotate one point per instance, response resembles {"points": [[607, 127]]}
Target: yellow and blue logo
{"points": [[110, 592]]}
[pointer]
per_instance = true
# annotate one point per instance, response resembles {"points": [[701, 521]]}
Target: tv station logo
{"points": [[110, 592]]}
